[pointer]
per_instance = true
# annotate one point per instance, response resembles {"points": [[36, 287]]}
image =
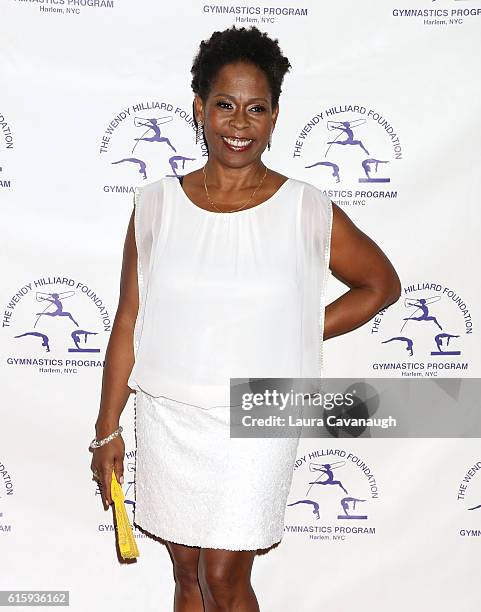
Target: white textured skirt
{"points": [[196, 485]]}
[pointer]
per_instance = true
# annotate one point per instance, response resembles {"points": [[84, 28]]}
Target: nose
{"points": [[240, 119]]}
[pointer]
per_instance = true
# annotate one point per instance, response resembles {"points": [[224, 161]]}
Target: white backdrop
{"points": [[382, 111]]}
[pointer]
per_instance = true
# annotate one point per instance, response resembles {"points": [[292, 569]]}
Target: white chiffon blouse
{"points": [[224, 295]]}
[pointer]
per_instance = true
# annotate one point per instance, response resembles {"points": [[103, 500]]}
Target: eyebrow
{"points": [[224, 95]]}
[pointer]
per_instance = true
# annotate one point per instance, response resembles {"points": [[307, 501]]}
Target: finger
{"points": [[105, 499], [119, 471], [106, 482]]}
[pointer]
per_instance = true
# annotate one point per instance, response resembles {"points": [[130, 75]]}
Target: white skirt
{"points": [[196, 485]]}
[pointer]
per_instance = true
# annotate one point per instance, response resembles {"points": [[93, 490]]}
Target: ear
{"points": [[275, 113], [198, 108]]}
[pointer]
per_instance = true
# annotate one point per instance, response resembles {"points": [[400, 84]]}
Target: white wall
{"points": [[73, 83]]}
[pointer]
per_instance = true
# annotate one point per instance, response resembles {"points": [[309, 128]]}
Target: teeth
{"points": [[237, 142]]}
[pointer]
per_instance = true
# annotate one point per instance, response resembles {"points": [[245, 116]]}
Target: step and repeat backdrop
{"points": [[381, 110]]}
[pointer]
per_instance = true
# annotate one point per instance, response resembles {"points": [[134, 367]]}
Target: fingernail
{"points": [[121, 480]]}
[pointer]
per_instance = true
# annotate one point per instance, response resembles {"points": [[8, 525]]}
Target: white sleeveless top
{"points": [[224, 295]]}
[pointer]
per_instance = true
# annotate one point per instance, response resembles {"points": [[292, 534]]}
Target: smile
{"points": [[237, 144]]}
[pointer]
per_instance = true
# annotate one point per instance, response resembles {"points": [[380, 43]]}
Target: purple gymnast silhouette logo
{"points": [[438, 13], [469, 497], [351, 148], [331, 496], [54, 324], [423, 333], [7, 491], [7, 146], [147, 141], [55, 308]]}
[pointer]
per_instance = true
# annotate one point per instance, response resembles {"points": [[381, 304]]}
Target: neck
{"points": [[225, 178]]}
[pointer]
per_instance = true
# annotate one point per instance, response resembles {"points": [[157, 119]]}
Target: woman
{"points": [[234, 258]]}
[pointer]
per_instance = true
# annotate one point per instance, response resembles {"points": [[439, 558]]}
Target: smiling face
{"points": [[238, 116]]}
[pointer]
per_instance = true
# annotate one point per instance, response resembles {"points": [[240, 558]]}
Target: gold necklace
{"points": [[235, 209]]}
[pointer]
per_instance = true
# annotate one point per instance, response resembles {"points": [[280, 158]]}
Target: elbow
{"points": [[391, 290], [393, 296], [387, 290], [125, 320]]}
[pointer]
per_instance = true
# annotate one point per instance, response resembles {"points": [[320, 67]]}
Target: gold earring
{"points": [[198, 132]]}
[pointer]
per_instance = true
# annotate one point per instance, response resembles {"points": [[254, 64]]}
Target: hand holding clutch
{"points": [[127, 544]]}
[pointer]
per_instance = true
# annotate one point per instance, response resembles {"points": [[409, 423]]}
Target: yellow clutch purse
{"points": [[127, 544]]}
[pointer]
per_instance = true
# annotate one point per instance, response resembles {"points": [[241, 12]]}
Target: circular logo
{"points": [[469, 497], [146, 141], [56, 324], [6, 150], [332, 496], [352, 150], [423, 333], [7, 491]]}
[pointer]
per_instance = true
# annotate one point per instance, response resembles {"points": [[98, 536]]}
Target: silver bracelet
{"points": [[96, 443]]}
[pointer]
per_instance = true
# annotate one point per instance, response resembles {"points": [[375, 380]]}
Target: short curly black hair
{"points": [[239, 44]]}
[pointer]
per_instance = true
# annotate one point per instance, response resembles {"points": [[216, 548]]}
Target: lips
{"points": [[237, 144]]}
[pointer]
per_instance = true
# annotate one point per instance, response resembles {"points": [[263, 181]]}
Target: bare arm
{"points": [[119, 360], [119, 356], [359, 263]]}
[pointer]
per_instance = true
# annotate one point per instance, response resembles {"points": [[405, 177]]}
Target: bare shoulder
{"points": [[276, 178], [194, 178]]}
